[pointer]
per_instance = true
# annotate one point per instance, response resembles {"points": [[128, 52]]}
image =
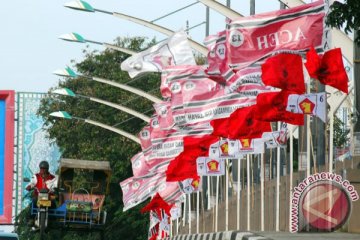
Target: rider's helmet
{"points": [[44, 164]]}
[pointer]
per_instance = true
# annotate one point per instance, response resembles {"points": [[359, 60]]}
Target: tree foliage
{"points": [[345, 15], [341, 137], [79, 140]]}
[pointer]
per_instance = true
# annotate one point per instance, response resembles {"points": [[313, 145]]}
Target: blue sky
{"points": [[30, 49]]}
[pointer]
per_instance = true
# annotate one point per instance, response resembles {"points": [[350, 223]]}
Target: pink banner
{"points": [[137, 190], [294, 30]]}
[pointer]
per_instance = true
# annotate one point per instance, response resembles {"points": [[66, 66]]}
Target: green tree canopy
{"points": [[345, 15], [79, 140]]}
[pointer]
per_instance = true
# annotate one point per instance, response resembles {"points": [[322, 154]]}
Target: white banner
{"points": [[210, 166], [312, 103], [174, 51]]}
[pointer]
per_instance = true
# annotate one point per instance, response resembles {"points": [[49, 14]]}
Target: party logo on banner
{"points": [[307, 106]]}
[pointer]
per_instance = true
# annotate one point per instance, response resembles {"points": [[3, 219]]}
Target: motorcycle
{"points": [[40, 208], [43, 204]]}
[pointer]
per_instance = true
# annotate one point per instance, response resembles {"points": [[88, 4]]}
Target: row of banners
{"points": [[257, 73]]}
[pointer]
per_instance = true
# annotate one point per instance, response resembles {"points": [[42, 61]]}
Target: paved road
{"points": [[305, 236]]}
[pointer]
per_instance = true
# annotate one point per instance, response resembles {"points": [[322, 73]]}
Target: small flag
{"points": [[210, 166], [328, 69], [312, 104], [174, 51], [284, 71]]}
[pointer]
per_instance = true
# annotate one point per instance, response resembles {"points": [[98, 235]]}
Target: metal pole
{"points": [[248, 190], [308, 147], [197, 46], [277, 207], [262, 178], [177, 226], [282, 5], [184, 212], [238, 195], [228, 2], [178, 10], [217, 203], [331, 144], [116, 130], [226, 196], [207, 28], [291, 172], [120, 49], [209, 193], [252, 7], [189, 197], [197, 210], [222, 9], [119, 107], [127, 88], [171, 226]]}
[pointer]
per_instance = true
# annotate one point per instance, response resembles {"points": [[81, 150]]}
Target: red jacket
{"points": [[41, 182]]}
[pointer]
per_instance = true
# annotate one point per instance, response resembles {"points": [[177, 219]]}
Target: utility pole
{"points": [[252, 7]]}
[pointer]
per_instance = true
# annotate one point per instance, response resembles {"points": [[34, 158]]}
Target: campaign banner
{"points": [[185, 86], [295, 30], [173, 51], [172, 74], [137, 189], [169, 148], [220, 149], [247, 81], [214, 106], [246, 146], [142, 165], [277, 138], [164, 114], [216, 45], [190, 185], [312, 103], [207, 166], [175, 211], [144, 136], [171, 145]]}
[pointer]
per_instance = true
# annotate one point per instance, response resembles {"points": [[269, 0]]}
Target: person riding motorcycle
{"points": [[42, 180]]}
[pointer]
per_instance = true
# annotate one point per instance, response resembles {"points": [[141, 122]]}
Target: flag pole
{"points": [[189, 197], [248, 190], [226, 195], [308, 139], [184, 213], [277, 208], [238, 195], [177, 226], [291, 171], [171, 226], [262, 188], [197, 210], [216, 203], [331, 143], [209, 193]]}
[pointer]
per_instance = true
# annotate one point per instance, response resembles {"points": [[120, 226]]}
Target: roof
{"points": [[85, 164]]}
